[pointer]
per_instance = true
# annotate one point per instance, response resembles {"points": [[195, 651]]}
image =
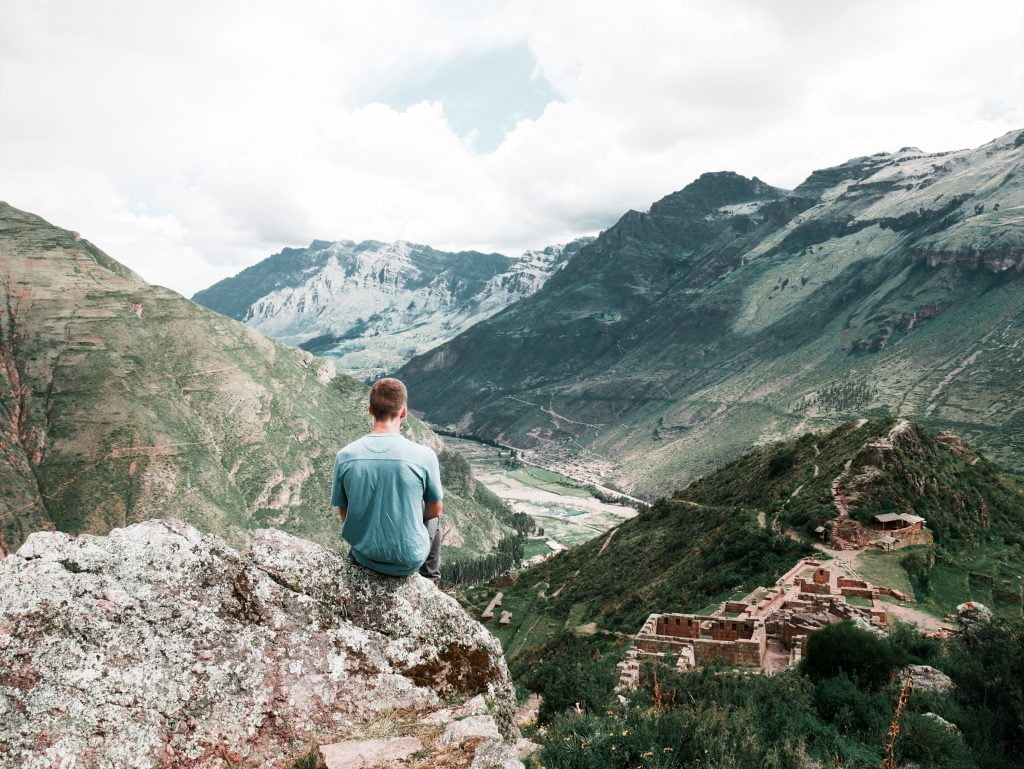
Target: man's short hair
{"points": [[387, 397]]}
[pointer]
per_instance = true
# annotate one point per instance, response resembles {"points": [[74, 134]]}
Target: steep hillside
{"points": [[673, 556], [371, 306], [121, 401], [747, 523], [733, 314], [573, 617]]}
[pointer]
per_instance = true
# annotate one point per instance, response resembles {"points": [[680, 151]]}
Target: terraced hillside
{"points": [[734, 314], [121, 401]]}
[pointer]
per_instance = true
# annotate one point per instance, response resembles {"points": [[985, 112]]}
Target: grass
{"points": [[546, 480], [534, 547], [576, 615], [856, 600], [884, 569], [949, 579]]}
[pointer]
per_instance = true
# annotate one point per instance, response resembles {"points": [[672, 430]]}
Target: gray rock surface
{"points": [[972, 615], [948, 725], [356, 754], [470, 728], [494, 754], [474, 707], [928, 679], [157, 645], [526, 748], [863, 624]]}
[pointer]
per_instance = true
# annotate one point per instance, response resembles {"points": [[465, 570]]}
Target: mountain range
{"points": [[371, 306], [734, 313], [121, 401]]}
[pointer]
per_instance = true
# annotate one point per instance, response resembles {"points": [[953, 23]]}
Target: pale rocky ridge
{"points": [[159, 646], [371, 306]]}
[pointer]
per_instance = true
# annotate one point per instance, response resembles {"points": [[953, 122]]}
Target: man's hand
{"points": [[432, 509], [342, 512]]}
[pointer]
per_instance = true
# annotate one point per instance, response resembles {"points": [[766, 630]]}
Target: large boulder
{"points": [[971, 615], [157, 645], [928, 679]]}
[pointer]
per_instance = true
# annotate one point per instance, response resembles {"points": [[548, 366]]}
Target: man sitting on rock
{"points": [[388, 493]]}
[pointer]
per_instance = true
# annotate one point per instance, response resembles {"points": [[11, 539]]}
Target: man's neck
{"points": [[386, 427]]}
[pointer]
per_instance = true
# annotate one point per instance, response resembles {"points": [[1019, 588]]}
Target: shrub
{"points": [[844, 648]]}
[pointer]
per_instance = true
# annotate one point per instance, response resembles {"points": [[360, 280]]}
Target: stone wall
{"points": [[678, 625], [814, 588], [862, 592], [847, 582], [746, 653], [733, 629]]}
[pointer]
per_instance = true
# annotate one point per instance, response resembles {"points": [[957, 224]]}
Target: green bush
{"points": [[844, 649], [570, 670], [925, 742]]}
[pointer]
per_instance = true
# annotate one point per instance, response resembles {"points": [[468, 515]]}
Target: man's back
{"points": [[382, 480]]}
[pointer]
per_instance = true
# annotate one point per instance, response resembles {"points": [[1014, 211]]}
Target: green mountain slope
{"points": [[573, 615], [121, 401], [882, 466], [739, 527], [733, 314]]}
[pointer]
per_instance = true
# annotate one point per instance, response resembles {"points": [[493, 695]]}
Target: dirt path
{"points": [[914, 616], [607, 540], [837, 493]]}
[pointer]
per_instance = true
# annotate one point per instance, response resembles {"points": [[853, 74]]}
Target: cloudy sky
{"points": [[191, 138]]}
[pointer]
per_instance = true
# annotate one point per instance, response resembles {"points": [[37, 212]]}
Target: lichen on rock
{"points": [[157, 645]]}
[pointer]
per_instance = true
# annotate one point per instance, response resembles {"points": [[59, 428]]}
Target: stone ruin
{"points": [[763, 632]]}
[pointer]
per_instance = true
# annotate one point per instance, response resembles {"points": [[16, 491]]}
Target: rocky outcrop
{"points": [[972, 615], [157, 645], [928, 679]]}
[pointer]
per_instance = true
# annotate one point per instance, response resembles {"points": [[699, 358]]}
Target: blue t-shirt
{"points": [[382, 479]]}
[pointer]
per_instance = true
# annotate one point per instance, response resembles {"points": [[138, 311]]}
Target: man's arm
{"points": [[339, 499], [432, 509], [432, 492]]}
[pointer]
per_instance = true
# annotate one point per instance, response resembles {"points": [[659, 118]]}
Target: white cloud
{"points": [[190, 139]]}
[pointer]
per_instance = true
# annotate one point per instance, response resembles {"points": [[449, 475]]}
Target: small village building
{"points": [[896, 521], [488, 614]]}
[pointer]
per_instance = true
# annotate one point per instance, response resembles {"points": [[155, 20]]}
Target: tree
{"points": [[844, 648]]}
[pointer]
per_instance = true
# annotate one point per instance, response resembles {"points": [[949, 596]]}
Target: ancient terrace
{"points": [[763, 632]]}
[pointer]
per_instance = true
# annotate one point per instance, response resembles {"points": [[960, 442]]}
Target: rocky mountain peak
{"points": [[157, 645], [714, 189], [330, 298]]}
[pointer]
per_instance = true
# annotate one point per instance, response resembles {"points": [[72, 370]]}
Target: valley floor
{"points": [[565, 509]]}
